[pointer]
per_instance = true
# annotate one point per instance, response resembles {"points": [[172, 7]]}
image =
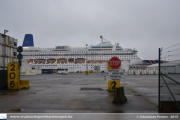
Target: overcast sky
{"points": [[144, 25]]}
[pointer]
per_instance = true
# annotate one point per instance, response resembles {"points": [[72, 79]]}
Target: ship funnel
{"points": [[28, 41]]}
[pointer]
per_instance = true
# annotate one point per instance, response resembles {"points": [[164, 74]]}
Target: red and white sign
{"points": [[114, 62]]}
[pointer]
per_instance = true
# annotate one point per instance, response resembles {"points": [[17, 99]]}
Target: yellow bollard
{"points": [[110, 85], [24, 84]]}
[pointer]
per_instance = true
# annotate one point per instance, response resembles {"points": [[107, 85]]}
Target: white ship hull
{"points": [[82, 59]]}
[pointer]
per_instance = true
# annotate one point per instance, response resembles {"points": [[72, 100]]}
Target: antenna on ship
{"points": [[101, 38]]}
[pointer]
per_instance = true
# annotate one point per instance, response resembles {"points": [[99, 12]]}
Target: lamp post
{"points": [[4, 36], [86, 61]]}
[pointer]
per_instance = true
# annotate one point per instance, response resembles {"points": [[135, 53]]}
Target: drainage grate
{"points": [[90, 89], [65, 83]]}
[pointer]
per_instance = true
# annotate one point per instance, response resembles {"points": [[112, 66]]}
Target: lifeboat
{"points": [[39, 61], [61, 60], [71, 60], [30, 60], [80, 59], [51, 61]]}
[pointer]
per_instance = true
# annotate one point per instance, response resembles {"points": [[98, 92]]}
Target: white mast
{"points": [[101, 38]]}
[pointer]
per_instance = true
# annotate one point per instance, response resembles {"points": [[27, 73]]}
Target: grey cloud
{"points": [[142, 24]]}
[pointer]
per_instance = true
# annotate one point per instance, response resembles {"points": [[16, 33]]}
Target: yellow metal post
{"points": [[24, 84], [111, 84], [13, 76]]}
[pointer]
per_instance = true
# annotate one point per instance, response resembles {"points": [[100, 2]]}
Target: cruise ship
{"points": [[79, 59]]}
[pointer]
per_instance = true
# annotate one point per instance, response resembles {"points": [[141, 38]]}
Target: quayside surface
{"points": [[55, 93]]}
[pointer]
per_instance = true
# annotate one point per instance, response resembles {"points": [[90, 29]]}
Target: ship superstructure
{"points": [[78, 58]]}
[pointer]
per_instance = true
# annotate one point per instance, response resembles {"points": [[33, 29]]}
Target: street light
{"points": [[4, 36], [86, 60], [5, 31]]}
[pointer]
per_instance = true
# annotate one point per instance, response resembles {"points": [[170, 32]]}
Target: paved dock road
{"points": [[79, 93]]}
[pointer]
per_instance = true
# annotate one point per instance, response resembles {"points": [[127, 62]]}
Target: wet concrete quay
{"points": [[55, 93]]}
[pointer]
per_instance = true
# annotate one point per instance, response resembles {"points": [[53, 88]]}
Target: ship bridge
{"points": [[61, 48]]}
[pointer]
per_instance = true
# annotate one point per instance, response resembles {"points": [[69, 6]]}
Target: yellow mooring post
{"points": [[13, 77], [86, 72], [111, 84]]}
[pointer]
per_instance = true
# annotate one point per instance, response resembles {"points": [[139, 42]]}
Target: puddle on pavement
{"points": [[3, 93], [12, 94], [16, 110], [32, 93], [117, 111], [111, 95], [80, 84], [137, 95], [90, 89], [65, 83]]}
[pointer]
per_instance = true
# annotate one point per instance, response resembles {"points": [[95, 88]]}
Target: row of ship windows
{"points": [[47, 65], [76, 67], [35, 52], [82, 65], [96, 58], [80, 56], [83, 56], [77, 54], [70, 65]]}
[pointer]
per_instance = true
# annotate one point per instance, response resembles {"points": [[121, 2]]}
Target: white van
{"points": [[62, 71]]}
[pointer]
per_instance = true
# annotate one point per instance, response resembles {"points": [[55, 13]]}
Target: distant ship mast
{"points": [[101, 38]]}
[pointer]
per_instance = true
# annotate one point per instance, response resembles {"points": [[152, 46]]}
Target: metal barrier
{"points": [[3, 79], [169, 85]]}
